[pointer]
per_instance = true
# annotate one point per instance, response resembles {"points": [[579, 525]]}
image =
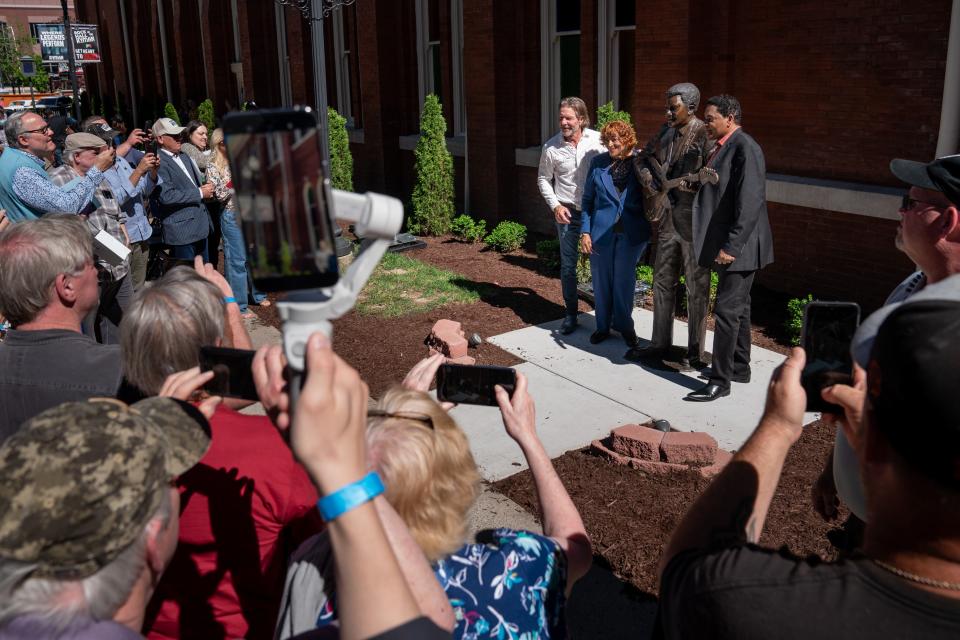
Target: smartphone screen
{"points": [[276, 164], [828, 329], [232, 377], [473, 384]]}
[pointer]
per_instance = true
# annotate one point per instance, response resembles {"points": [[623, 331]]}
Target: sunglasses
{"points": [[406, 415], [908, 204]]}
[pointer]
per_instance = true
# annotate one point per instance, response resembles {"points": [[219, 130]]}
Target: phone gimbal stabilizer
{"points": [[377, 218]]}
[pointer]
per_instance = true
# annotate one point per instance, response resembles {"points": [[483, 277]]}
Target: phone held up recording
{"points": [[473, 384], [233, 375], [284, 197], [828, 329]]}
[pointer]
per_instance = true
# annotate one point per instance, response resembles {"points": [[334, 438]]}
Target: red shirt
{"points": [[243, 509], [716, 148]]}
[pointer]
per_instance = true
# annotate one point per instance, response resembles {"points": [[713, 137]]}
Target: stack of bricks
{"points": [[448, 338], [653, 451]]}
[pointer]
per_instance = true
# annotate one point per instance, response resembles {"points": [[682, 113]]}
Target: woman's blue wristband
{"points": [[229, 299], [350, 497]]}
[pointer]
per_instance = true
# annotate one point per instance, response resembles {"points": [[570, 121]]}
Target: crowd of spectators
{"points": [[136, 504]]}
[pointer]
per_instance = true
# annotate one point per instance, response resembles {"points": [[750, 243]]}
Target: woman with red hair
{"points": [[614, 231]]}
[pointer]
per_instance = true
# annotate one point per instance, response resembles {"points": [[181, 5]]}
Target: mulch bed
{"points": [[518, 291], [628, 515]]}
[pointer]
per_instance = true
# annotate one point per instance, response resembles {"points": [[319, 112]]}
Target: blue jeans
{"points": [[235, 262], [569, 237]]}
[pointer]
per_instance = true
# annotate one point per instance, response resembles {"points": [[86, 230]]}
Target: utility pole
{"points": [[71, 60]]}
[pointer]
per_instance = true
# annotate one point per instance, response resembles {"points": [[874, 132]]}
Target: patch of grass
{"points": [[402, 285]]}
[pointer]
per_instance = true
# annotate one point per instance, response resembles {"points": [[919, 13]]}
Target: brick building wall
{"points": [[831, 91]]}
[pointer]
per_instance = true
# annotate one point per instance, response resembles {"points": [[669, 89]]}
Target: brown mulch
{"points": [[518, 291], [629, 515]]}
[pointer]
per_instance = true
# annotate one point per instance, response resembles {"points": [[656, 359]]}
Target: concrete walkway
{"points": [[582, 391]]}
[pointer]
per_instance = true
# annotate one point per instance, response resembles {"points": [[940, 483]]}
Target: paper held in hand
{"points": [[109, 249]]}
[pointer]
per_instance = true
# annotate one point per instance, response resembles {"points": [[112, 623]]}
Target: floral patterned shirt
{"points": [[509, 589]]}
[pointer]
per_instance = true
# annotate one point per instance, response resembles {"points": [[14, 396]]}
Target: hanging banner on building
{"points": [[53, 46]]}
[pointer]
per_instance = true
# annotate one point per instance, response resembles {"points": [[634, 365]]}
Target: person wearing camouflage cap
{"points": [[90, 514]]}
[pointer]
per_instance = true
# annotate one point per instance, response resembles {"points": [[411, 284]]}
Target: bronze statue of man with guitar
{"points": [[671, 168]]}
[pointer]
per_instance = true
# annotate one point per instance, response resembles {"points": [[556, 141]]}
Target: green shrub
{"points": [[467, 229], [206, 116], [606, 113], [645, 274], [169, 111], [794, 323], [433, 193], [548, 252], [507, 236], [341, 160]]}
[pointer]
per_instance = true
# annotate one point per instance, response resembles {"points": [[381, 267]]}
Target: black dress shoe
{"points": [[693, 363], [599, 336], [569, 325], [630, 338], [644, 353], [708, 393]]}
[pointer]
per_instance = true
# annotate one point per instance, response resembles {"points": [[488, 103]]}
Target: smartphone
{"points": [[283, 194], [473, 384], [828, 329], [233, 377]]}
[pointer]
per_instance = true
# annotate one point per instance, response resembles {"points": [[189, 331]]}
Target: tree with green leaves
{"points": [[205, 114], [341, 160], [169, 111], [606, 113], [433, 194]]}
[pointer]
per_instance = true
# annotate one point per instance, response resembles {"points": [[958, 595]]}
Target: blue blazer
{"points": [[602, 205], [185, 218]]}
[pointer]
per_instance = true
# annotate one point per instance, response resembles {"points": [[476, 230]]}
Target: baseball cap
{"points": [[82, 141], [911, 354], [943, 174], [167, 127], [103, 130], [80, 481]]}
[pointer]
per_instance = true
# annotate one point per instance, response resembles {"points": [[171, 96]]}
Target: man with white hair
{"points": [[48, 285], [91, 516], [26, 191], [103, 213]]}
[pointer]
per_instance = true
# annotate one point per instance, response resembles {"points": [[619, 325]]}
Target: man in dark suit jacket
{"points": [[186, 223], [731, 233]]}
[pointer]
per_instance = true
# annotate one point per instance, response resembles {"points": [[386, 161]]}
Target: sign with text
{"points": [[53, 46]]}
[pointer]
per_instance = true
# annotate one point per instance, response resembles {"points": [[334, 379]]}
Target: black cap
{"points": [[943, 174], [912, 384]]}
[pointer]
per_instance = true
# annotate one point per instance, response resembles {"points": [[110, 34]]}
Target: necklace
{"points": [[912, 577]]}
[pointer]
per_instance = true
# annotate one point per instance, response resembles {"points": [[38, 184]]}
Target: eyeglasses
{"points": [[406, 415], [44, 130], [909, 204]]}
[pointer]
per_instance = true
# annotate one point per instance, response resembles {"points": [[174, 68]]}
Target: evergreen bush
{"points": [[467, 229], [606, 113], [507, 236], [341, 160], [794, 323], [206, 116], [433, 194], [169, 111], [548, 252]]}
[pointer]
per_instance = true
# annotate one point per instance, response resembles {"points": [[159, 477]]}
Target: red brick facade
{"points": [[830, 91]]}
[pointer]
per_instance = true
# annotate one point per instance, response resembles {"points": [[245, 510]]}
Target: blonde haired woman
{"points": [[516, 583], [234, 249]]}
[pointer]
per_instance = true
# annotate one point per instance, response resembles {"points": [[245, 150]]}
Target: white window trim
{"points": [[608, 64], [550, 67], [342, 68]]}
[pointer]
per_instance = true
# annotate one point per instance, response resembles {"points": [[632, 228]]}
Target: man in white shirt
{"points": [[564, 163], [186, 222]]}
